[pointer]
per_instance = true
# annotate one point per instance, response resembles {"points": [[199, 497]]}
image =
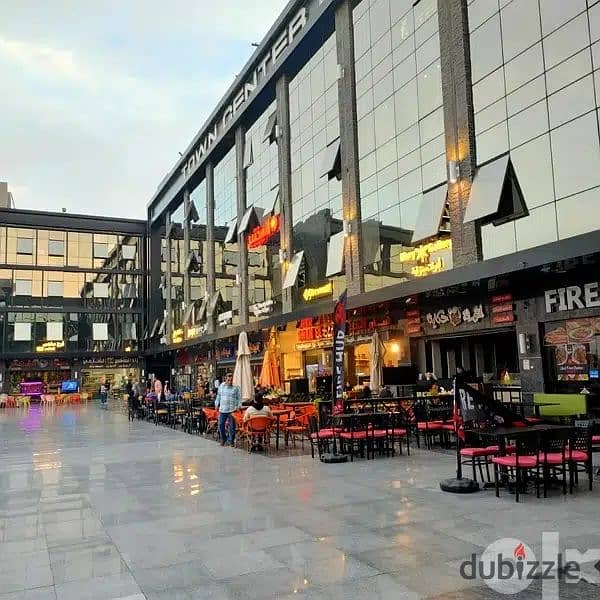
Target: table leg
{"points": [[277, 434]]}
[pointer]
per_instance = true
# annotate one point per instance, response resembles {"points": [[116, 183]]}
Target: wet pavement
{"points": [[93, 507]]}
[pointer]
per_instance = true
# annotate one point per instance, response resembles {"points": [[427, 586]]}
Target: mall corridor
{"points": [[93, 507]]}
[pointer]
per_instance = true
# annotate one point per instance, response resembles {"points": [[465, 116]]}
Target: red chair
{"points": [[258, 432], [525, 459]]}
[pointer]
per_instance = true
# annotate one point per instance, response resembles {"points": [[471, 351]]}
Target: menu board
{"points": [[572, 343]]}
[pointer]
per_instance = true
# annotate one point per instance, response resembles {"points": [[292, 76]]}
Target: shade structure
{"points": [[269, 375], [242, 374], [377, 355]]}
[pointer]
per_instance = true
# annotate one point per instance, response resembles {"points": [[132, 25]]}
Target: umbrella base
{"points": [[459, 486], [330, 458]]}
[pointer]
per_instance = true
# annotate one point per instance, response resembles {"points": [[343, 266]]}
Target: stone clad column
{"points": [[210, 239], [284, 157], [459, 124], [186, 248], [344, 28], [240, 142]]}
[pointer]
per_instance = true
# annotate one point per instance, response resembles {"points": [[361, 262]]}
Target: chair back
{"points": [[313, 424], [258, 424], [554, 442], [581, 437], [420, 412], [528, 444]]}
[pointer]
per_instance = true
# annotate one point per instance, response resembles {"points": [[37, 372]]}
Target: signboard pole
{"points": [[338, 380], [460, 484]]}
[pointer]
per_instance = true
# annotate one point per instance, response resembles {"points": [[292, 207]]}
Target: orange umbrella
{"points": [[269, 374]]}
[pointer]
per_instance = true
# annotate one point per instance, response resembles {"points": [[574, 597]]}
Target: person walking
{"points": [[227, 401]]}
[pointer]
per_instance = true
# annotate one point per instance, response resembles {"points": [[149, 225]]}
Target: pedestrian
{"points": [[227, 401], [103, 394]]}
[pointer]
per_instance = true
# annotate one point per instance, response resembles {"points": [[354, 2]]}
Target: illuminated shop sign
{"points": [[265, 65], [425, 260], [261, 235], [196, 331], [177, 336], [50, 347], [455, 316], [322, 291]]}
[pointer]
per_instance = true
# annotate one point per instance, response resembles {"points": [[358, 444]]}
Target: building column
{"points": [[284, 158], [168, 284], [459, 123], [344, 28], [210, 240], [187, 224], [527, 324], [240, 142]]}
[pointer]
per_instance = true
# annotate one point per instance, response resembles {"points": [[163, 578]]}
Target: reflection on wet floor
{"points": [[94, 507]]}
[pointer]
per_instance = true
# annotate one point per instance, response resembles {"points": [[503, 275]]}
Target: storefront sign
{"points": [[177, 336], [50, 347], [310, 294], [196, 331], [318, 345], [262, 234], [261, 309], [109, 362], [502, 309], [573, 297], [425, 263], [38, 364], [242, 94], [413, 322], [455, 316]]}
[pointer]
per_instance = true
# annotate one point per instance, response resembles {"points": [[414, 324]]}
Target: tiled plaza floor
{"points": [[94, 508]]}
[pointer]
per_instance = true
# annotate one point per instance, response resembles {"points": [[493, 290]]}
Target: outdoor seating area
{"points": [[21, 401]]}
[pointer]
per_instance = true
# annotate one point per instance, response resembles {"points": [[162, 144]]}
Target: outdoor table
{"points": [[277, 414]]}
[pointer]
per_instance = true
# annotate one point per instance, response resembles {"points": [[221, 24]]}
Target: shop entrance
{"points": [[486, 355]]}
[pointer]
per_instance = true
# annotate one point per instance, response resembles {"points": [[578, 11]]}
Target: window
{"points": [[23, 287], [271, 128], [100, 250], [231, 237], [54, 332], [56, 248], [100, 332], [332, 165], [22, 332], [335, 255], [55, 289], [430, 214], [101, 290], [24, 246], [293, 269], [248, 154]]}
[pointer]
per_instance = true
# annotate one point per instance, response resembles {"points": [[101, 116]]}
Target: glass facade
{"points": [[400, 130], [535, 95], [46, 308], [316, 193]]}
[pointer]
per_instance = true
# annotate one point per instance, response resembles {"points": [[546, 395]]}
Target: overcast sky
{"points": [[99, 96]]}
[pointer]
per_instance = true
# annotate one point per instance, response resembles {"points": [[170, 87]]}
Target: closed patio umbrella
{"points": [[242, 375], [377, 354], [269, 375]]}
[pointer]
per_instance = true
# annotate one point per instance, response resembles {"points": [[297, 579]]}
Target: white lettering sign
{"points": [[573, 297], [455, 316], [241, 96]]}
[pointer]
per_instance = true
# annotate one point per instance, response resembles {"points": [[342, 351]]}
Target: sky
{"points": [[98, 97]]}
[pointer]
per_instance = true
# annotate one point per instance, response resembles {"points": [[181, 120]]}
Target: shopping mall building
{"points": [[439, 159]]}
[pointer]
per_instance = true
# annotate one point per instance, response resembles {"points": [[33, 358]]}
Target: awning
{"points": [[193, 262], [248, 153], [271, 129], [496, 195], [292, 273], [272, 201], [335, 255], [214, 301], [371, 242], [251, 217], [331, 160], [192, 212], [430, 214], [231, 236]]}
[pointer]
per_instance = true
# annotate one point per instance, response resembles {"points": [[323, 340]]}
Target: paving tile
{"points": [[99, 588], [42, 593]]}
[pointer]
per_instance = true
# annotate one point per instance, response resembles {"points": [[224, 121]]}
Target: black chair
{"points": [[579, 454], [161, 413], [379, 434], [399, 431], [355, 437], [319, 438], [426, 426], [525, 459], [553, 456]]}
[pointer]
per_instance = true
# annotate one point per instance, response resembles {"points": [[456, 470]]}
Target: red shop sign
{"points": [[502, 308], [503, 318], [501, 299], [260, 235]]}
